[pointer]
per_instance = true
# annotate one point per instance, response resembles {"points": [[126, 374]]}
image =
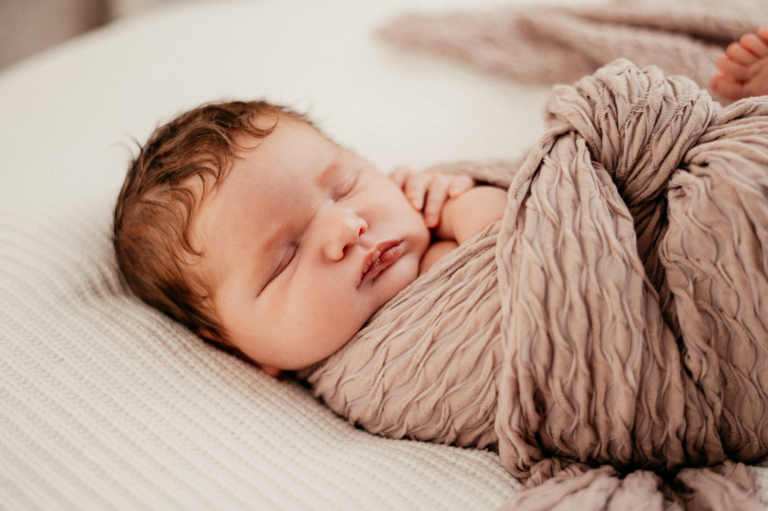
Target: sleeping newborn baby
{"points": [[244, 222], [599, 324]]}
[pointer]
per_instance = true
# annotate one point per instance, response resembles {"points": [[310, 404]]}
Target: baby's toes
{"points": [[763, 33], [732, 69], [738, 54], [755, 45], [727, 87]]}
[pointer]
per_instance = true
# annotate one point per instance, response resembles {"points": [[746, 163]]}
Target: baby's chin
{"points": [[402, 276]]}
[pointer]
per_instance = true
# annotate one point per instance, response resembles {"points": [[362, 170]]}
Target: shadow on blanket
{"points": [[608, 337]]}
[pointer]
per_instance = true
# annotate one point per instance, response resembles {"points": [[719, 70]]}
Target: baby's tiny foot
{"points": [[743, 68]]}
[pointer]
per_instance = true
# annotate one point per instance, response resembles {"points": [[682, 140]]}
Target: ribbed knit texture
{"points": [[107, 404]]}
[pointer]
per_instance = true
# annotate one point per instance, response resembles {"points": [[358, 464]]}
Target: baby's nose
{"points": [[346, 230]]}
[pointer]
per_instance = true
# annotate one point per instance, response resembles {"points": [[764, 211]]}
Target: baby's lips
{"points": [[380, 258]]}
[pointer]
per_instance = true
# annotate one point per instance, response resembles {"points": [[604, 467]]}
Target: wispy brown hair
{"points": [[156, 203]]}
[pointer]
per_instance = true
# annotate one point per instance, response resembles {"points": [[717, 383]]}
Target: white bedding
{"points": [[107, 404]]}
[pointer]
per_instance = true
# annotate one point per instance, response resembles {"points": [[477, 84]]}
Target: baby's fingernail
{"points": [[454, 190], [429, 219], [415, 203]]}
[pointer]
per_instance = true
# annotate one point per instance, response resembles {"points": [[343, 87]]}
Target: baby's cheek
{"points": [[406, 273], [388, 284], [434, 253]]}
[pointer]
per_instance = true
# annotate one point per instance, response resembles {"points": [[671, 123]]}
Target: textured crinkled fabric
{"points": [[558, 44], [609, 336]]}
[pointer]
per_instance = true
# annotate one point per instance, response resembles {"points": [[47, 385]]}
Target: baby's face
{"points": [[303, 241]]}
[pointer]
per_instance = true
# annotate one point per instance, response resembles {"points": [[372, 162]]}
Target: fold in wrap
{"points": [[614, 322], [560, 44]]}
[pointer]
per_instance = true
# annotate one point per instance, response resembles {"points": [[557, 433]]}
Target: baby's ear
{"points": [[210, 336], [206, 334], [274, 372]]}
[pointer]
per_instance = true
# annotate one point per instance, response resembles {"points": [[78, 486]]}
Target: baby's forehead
{"points": [[286, 164]]}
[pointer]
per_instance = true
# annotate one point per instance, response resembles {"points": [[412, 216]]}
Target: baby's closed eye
{"points": [[285, 261]]}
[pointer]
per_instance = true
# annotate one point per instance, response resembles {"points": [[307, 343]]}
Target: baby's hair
{"points": [[156, 203]]}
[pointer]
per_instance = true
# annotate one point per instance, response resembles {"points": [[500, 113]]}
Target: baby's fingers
{"points": [[459, 185], [763, 33], [399, 176], [755, 44], [416, 188], [436, 197]]}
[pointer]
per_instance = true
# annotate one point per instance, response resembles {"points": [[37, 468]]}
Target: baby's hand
{"points": [[428, 191]]}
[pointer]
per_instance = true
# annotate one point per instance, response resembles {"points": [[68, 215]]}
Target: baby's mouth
{"points": [[380, 258]]}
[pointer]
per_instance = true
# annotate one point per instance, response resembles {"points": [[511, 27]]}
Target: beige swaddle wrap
{"points": [[561, 43], [617, 317]]}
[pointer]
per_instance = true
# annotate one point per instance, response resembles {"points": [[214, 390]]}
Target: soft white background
{"points": [[73, 111]]}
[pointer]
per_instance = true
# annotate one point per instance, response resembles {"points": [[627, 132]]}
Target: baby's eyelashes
{"points": [[287, 259], [284, 262], [347, 186]]}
